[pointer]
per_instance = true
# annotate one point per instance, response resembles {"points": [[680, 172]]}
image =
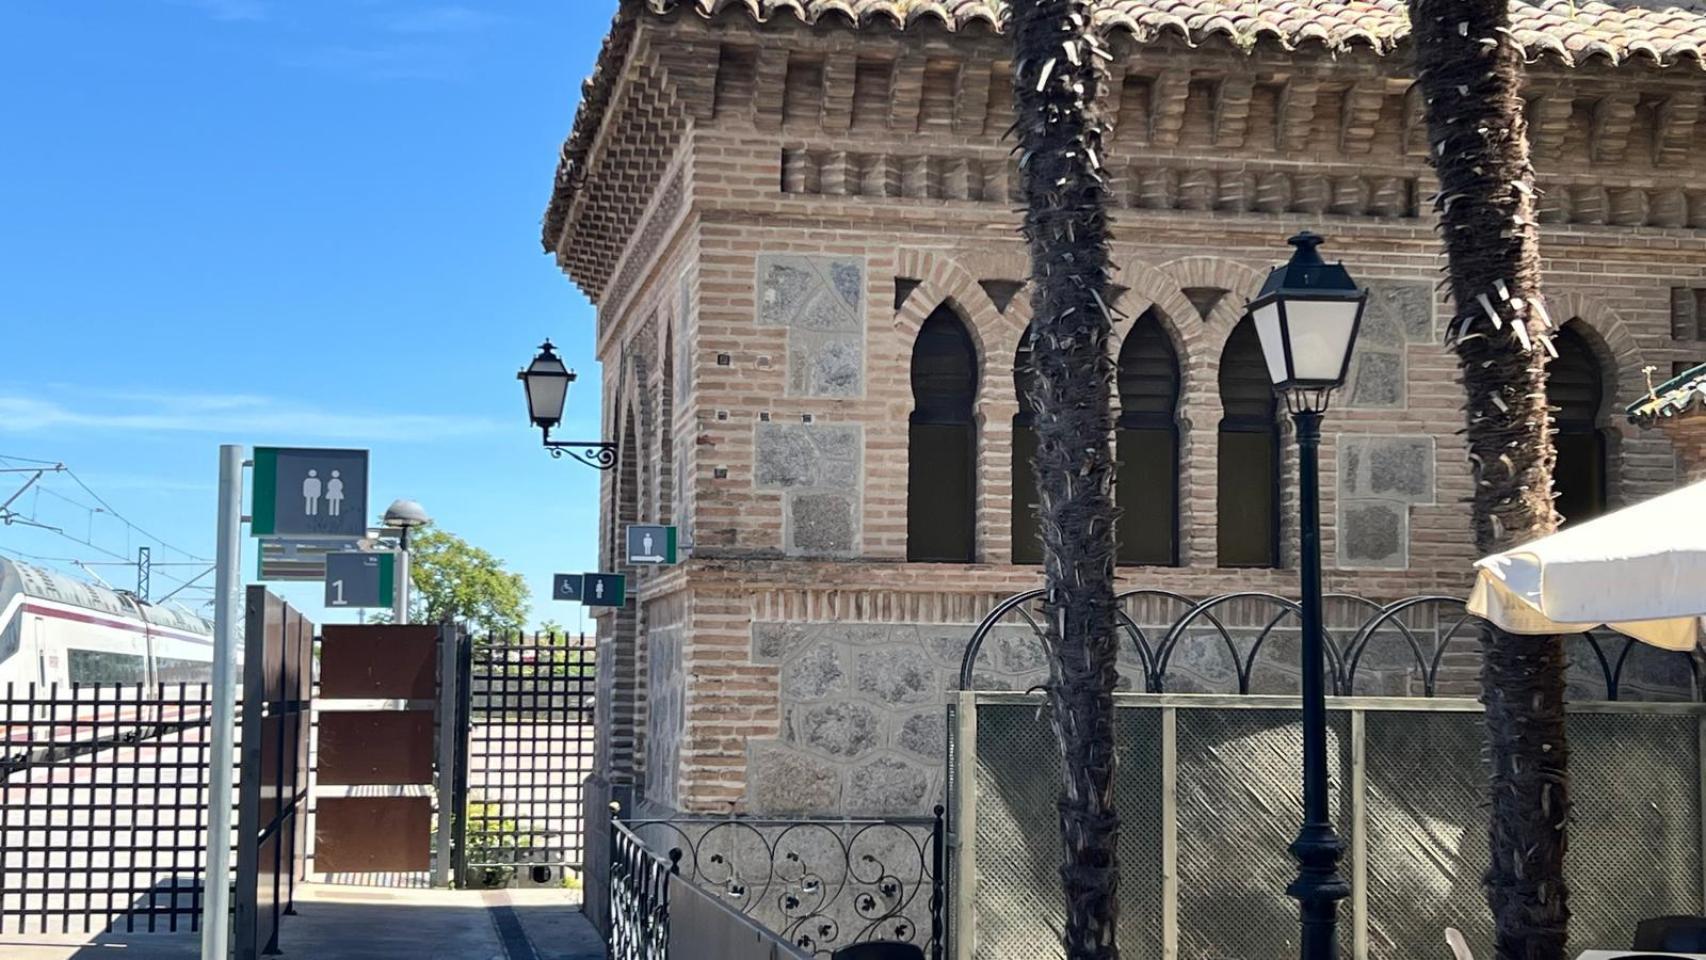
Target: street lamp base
{"points": [[1318, 889]]}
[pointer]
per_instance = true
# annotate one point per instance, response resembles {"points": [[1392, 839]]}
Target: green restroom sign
{"points": [[309, 494]]}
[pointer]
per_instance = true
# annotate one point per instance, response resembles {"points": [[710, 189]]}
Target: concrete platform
{"points": [[364, 923]]}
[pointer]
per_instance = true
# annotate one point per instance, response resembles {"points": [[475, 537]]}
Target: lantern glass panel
{"points": [[547, 382], [1320, 333], [1272, 335]]}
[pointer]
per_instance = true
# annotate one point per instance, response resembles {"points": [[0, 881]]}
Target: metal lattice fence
{"points": [[1210, 796], [103, 807], [1019, 839], [530, 747]]}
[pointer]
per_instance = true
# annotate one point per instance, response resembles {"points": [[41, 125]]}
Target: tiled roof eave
{"points": [[1338, 26]]}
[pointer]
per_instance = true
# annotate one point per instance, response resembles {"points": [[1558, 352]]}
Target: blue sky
{"points": [[289, 222]]}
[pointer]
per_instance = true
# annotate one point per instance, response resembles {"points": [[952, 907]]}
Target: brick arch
{"points": [[994, 334], [1147, 286], [1240, 280], [1621, 359], [1615, 346]]}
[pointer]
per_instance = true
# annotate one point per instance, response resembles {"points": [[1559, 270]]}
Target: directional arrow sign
{"points": [[604, 589], [361, 579], [649, 543]]}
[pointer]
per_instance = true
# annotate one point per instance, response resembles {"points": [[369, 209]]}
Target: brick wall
{"points": [[1688, 435], [809, 199]]}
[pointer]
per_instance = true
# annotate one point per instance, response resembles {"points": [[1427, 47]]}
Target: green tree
{"points": [[1057, 75], [1470, 70], [453, 579]]}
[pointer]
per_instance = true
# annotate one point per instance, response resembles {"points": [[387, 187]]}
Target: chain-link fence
{"points": [[1210, 796]]}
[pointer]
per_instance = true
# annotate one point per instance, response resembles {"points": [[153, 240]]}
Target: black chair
{"points": [[1672, 934], [879, 950]]}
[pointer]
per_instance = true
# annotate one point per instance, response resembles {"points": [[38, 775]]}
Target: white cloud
{"points": [[255, 416]]}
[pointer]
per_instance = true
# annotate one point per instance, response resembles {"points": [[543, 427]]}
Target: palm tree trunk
{"points": [[1470, 71], [1056, 79]]}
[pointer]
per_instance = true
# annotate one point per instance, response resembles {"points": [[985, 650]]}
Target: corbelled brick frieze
{"points": [[1625, 133]]}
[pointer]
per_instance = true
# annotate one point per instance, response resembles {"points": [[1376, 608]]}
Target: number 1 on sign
{"points": [[338, 589]]}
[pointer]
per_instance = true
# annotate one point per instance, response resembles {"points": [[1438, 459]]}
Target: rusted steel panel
{"points": [[378, 662], [376, 747], [373, 835]]}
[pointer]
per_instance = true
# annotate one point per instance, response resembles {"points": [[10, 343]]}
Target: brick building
{"points": [[797, 220]]}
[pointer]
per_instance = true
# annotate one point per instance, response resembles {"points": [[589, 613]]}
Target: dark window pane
{"points": [[1027, 548], [1149, 375], [939, 502], [104, 666], [1575, 387], [1024, 377], [940, 506], [1147, 493], [1249, 464], [1246, 392], [944, 370], [170, 670], [1146, 445], [1248, 504], [1579, 477]]}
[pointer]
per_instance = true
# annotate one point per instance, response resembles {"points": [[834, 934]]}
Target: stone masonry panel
{"points": [[820, 301], [1400, 313], [1380, 479], [816, 466]]}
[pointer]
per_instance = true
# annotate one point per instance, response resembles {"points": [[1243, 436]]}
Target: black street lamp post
{"points": [[1307, 317], [547, 381]]}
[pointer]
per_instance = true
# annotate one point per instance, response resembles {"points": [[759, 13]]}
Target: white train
{"points": [[57, 629]]}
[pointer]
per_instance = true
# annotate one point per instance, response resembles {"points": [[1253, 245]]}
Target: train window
{"points": [[10, 638], [169, 670], [105, 666]]}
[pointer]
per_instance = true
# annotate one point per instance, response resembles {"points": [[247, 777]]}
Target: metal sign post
{"points": [[227, 620]]}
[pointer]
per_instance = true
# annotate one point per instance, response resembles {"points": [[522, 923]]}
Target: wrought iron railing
{"points": [[817, 885], [639, 897], [1428, 632]]}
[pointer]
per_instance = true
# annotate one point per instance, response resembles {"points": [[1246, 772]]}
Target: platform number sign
{"points": [[361, 579]]}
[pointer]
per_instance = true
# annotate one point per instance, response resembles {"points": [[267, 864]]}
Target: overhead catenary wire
{"points": [[103, 504], [84, 563]]}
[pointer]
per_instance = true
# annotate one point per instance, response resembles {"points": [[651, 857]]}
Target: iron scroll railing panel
{"points": [[816, 885], [1212, 782], [530, 748], [639, 898], [103, 815]]}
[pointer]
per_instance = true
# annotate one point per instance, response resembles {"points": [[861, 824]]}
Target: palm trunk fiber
{"points": [[1470, 72], [1057, 75]]}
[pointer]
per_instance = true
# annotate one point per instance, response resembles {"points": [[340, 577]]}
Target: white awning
{"points": [[1640, 571]]}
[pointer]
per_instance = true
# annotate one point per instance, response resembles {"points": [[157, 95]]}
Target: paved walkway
{"points": [[363, 923]]}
